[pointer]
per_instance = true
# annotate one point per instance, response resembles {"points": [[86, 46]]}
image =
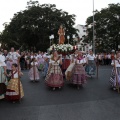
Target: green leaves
{"points": [[107, 27], [33, 26]]}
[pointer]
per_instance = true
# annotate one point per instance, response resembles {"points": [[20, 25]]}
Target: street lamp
{"points": [[50, 40], [73, 38], [52, 37], [93, 30], [68, 37]]}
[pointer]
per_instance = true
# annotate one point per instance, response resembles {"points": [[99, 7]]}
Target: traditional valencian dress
{"points": [[91, 66], [34, 73], [3, 80], [115, 75], [14, 89], [78, 72], [54, 76]]}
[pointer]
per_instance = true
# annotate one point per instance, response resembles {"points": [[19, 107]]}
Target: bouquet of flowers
{"points": [[62, 48]]}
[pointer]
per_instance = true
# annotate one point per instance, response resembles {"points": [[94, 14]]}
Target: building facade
{"points": [[82, 32]]}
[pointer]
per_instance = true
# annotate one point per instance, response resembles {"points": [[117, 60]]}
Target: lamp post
{"points": [[50, 40], [93, 30], [73, 38], [68, 37], [52, 37]]}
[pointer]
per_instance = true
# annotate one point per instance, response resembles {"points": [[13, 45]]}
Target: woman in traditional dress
{"points": [[34, 73], [14, 90], [61, 33], [91, 64], [78, 72], [115, 75], [3, 79], [54, 76]]}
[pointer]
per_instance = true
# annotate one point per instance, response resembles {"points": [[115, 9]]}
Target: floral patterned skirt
{"points": [[12, 92], [78, 75], [54, 77]]}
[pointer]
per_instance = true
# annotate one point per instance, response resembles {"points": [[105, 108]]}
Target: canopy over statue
{"points": [[61, 33]]}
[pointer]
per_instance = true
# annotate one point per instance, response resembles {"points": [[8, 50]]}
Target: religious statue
{"points": [[61, 33]]}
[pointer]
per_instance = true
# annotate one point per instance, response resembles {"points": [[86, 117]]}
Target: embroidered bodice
{"points": [[14, 74], [53, 62], [81, 61]]}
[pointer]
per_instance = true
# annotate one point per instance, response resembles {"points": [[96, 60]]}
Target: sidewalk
{"points": [[93, 110]]}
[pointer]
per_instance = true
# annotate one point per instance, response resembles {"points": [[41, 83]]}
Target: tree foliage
{"points": [[31, 28], [107, 28]]}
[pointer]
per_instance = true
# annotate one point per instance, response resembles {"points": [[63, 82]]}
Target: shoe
{"points": [[78, 87], [114, 88], [53, 88], [13, 102]]}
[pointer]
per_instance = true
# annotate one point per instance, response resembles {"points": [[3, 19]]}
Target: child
{"points": [[14, 90], [34, 73]]}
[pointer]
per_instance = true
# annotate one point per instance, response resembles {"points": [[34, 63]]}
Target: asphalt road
{"points": [[94, 101]]}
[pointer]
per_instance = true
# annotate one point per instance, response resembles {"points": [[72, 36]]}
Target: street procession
{"points": [[55, 66], [60, 60]]}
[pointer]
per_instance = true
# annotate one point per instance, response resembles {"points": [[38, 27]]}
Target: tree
{"points": [[107, 28], [31, 28]]}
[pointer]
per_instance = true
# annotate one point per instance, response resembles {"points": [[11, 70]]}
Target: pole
{"points": [[97, 64], [19, 79], [93, 31]]}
